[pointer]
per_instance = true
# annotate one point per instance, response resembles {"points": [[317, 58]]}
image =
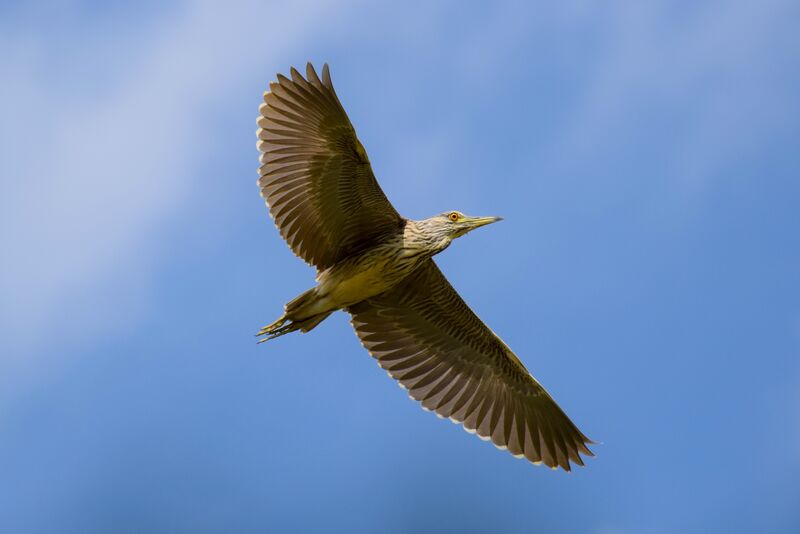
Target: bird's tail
{"points": [[294, 318], [295, 307]]}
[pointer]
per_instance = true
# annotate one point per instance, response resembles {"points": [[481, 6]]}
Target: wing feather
{"points": [[428, 339], [315, 175]]}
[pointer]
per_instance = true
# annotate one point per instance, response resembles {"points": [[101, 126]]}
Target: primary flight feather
{"points": [[316, 178]]}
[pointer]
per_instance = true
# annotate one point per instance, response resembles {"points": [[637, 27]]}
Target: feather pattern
{"points": [[315, 175], [316, 178], [426, 337]]}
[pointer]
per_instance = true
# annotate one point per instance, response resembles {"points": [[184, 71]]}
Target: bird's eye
{"points": [[453, 216]]}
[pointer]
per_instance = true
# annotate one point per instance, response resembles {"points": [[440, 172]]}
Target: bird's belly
{"points": [[348, 284], [359, 285]]}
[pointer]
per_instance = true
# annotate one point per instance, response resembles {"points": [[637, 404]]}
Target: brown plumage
{"points": [[315, 175], [318, 183]]}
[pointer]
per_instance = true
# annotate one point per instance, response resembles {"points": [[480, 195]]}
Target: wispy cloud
{"points": [[92, 175]]}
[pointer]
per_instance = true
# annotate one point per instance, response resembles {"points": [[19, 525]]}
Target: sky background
{"points": [[644, 155]]}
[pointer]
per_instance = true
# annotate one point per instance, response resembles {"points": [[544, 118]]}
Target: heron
{"points": [[377, 265]]}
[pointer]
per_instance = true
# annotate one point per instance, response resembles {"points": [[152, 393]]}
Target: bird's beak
{"points": [[477, 222]]}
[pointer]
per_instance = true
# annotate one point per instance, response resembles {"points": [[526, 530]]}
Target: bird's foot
{"points": [[285, 325], [276, 329]]}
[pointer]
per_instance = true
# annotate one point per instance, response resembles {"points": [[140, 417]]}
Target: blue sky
{"points": [[644, 156]]}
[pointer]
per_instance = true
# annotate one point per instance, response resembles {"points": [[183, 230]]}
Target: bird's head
{"points": [[456, 224], [440, 230]]}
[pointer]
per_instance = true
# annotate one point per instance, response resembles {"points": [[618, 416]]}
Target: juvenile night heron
{"points": [[375, 264]]}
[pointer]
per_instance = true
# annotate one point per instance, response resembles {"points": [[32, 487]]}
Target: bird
{"points": [[318, 183]]}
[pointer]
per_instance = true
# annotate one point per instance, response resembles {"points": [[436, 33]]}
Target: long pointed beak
{"points": [[477, 222]]}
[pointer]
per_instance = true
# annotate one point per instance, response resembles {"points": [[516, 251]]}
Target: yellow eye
{"points": [[454, 216]]}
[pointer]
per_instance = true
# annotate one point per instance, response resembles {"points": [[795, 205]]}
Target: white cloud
{"points": [[92, 176]]}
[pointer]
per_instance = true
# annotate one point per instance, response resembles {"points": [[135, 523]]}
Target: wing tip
{"points": [[296, 76], [326, 77], [311, 74]]}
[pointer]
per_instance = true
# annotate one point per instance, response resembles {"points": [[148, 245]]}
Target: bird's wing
{"points": [[426, 337], [315, 175]]}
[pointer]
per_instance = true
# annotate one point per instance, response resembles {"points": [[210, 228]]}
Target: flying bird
{"points": [[378, 266]]}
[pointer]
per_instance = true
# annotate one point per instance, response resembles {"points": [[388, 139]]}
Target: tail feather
{"points": [[301, 301]]}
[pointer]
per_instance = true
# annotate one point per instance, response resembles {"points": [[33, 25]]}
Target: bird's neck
{"points": [[420, 237]]}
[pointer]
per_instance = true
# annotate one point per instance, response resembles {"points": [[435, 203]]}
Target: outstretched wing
{"points": [[426, 337], [315, 175]]}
